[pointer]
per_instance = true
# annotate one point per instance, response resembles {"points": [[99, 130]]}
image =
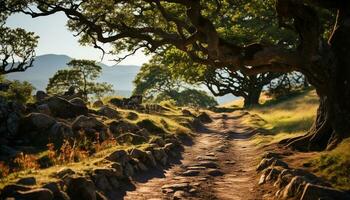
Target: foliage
{"points": [[287, 84], [17, 91], [82, 75], [26, 161], [188, 97], [17, 48], [157, 83]]}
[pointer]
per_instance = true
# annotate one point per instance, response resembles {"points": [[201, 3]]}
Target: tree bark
{"points": [[332, 122], [252, 98]]}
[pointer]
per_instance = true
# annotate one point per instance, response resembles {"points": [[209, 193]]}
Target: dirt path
{"points": [[219, 165]]}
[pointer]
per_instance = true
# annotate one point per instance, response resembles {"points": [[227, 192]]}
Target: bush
{"points": [[17, 91]]}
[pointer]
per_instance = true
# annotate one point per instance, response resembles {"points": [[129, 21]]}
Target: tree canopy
{"points": [[216, 33], [17, 48], [82, 75]]}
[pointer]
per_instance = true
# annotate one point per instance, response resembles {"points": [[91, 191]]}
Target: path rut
{"points": [[219, 165]]}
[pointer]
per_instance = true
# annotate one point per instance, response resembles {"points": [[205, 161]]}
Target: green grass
{"points": [[335, 165], [284, 119]]}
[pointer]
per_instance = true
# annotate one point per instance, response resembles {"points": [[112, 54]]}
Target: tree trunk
{"points": [[332, 122], [252, 98]]}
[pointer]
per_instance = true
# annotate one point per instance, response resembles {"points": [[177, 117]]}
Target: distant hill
{"points": [[120, 76], [45, 66]]}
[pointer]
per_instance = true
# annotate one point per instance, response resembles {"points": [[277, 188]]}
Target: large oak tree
{"points": [[192, 26]]}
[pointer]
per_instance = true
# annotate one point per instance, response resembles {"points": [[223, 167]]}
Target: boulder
{"points": [[97, 104], [204, 118], [151, 160], [78, 102], [130, 138], [132, 116], [90, 126], [60, 131], [122, 126], [35, 194], [266, 162], [12, 190], [81, 188], [316, 192], [62, 108], [26, 181], [64, 172], [160, 155], [186, 112], [34, 128], [55, 189], [44, 109], [119, 156], [40, 95], [108, 112], [294, 187]]}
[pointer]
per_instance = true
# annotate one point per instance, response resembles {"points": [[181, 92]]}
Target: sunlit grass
{"points": [[285, 119], [335, 165]]}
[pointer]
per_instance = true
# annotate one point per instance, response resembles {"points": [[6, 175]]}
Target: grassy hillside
{"points": [[292, 117]]}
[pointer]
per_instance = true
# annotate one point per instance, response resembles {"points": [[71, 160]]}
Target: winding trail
{"points": [[219, 165]]}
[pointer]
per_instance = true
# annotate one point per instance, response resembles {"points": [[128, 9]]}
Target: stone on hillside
{"points": [[176, 186], [132, 116], [208, 164], [62, 108], [37, 194], [108, 112], [119, 156], [266, 162], [81, 188], [90, 126], [57, 193], [294, 187], [316, 192], [64, 172], [151, 159], [97, 104], [129, 170], [40, 95], [34, 128], [101, 182], [186, 112], [44, 109], [179, 195], [204, 118], [160, 155], [131, 138], [78, 101], [60, 131], [27, 181], [191, 173], [122, 126], [12, 190], [215, 172]]}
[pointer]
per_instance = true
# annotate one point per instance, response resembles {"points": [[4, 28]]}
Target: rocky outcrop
{"points": [[100, 182], [39, 129], [295, 183], [90, 127], [108, 112], [62, 108]]}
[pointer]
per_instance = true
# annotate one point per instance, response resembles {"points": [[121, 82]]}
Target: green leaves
{"points": [[81, 74]]}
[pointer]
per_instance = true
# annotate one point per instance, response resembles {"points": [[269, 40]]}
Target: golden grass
{"points": [[335, 165], [285, 119], [169, 121]]}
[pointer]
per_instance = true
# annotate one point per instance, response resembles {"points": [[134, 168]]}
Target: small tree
{"points": [[16, 91], [16, 48], [156, 83], [82, 75]]}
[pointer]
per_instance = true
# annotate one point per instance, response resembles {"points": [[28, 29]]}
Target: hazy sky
{"points": [[56, 39]]}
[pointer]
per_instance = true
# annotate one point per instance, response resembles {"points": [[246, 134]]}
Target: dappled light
{"points": [[189, 99]]}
